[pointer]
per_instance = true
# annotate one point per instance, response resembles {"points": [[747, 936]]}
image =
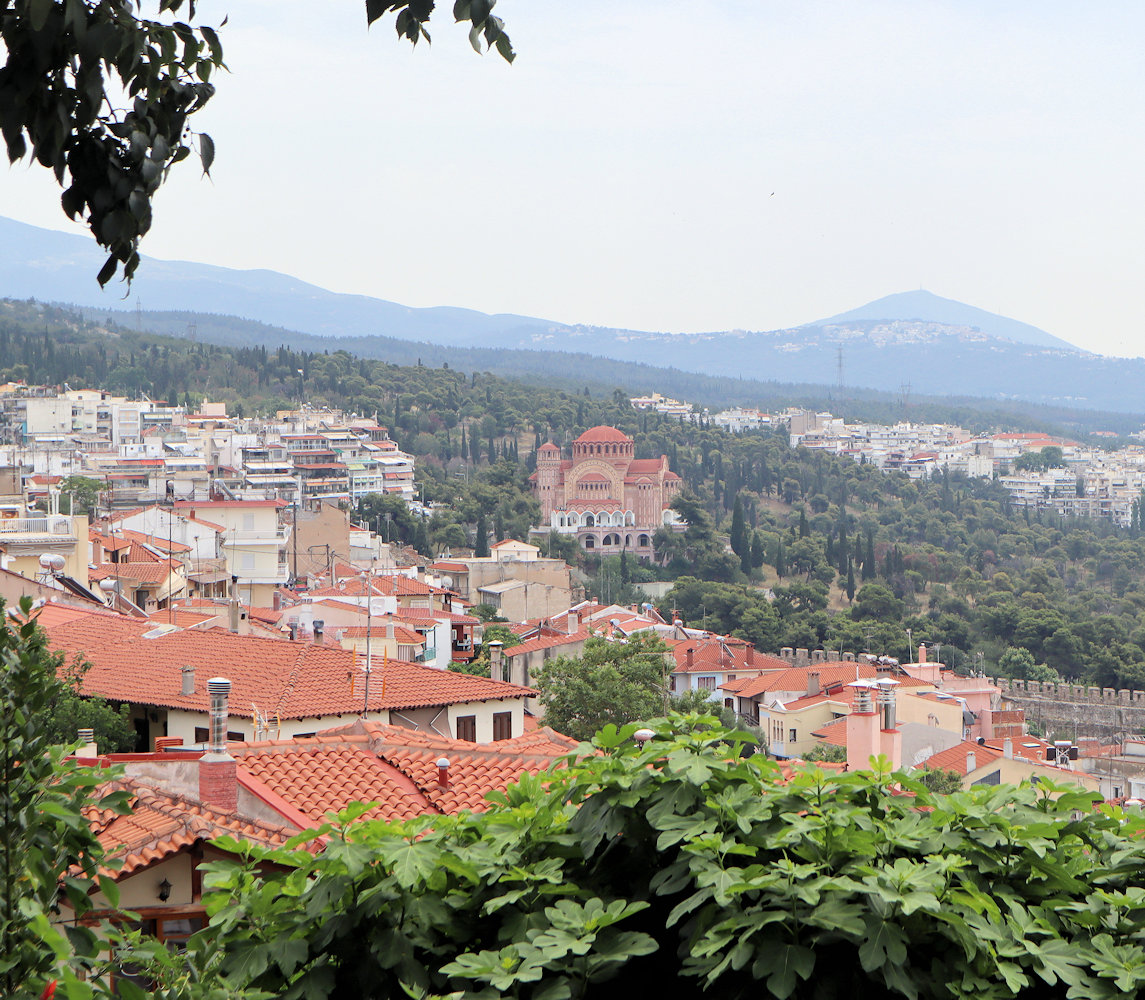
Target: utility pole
{"points": [[294, 536]]}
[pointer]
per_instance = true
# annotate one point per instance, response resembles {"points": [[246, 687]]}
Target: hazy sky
{"points": [[680, 166]]}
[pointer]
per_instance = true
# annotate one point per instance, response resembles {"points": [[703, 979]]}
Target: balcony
{"points": [[56, 527], [204, 571]]}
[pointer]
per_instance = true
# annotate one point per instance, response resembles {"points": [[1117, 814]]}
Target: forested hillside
{"points": [[853, 557]]}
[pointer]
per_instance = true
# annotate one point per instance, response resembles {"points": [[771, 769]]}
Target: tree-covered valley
{"points": [[785, 547]]}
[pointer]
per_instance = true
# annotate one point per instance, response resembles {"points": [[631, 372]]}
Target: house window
{"points": [[791, 735], [467, 728], [706, 683], [502, 725], [203, 735]]}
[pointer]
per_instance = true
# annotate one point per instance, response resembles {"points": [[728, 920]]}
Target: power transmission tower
{"points": [[192, 332], [904, 395]]}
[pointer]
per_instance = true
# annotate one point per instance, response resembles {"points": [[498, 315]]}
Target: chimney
{"points": [[922, 652], [188, 671], [971, 762], [886, 702], [276, 601], [293, 626], [442, 772], [319, 631], [688, 658], [234, 605], [750, 655], [572, 622], [812, 683], [862, 727], [496, 663], [89, 748], [389, 628], [218, 777], [1008, 748]]}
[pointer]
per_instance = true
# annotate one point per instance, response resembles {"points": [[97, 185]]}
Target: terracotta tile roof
{"points": [[425, 615], [395, 767], [407, 637], [547, 642], [450, 567], [161, 825], [135, 572], [834, 733], [830, 674], [291, 680], [710, 654], [954, 758], [157, 541]]}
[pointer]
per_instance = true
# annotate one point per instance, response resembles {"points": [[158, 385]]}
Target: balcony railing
{"points": [[46, 525]]}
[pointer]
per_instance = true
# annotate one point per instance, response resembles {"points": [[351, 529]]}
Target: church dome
{"points": [[603, 434]]}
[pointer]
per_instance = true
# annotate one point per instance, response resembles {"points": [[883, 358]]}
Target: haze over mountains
{"points": [[935, 346]]}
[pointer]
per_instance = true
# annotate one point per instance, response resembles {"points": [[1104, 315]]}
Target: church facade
{"points": [[605, 496]]}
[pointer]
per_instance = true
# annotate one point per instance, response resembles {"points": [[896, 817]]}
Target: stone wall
{"points": [[1072, 711]]}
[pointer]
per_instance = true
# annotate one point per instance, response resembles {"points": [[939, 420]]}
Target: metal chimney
{"points": [[886, 702], [220, 691], [862, 698]]}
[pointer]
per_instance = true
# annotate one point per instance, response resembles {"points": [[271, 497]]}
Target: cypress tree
{"points": [[803, 529], [756, 550], [738, 536], [481, 543], [850, 580]]}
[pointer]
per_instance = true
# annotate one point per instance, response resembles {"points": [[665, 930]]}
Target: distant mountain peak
{"points": [[928, 307]]}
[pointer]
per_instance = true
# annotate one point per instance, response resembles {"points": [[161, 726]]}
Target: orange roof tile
{"points": [[396, 768], [161, 825], [139, 662], [830, 674]]}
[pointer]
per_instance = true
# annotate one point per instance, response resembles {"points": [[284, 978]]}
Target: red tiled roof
{"points": [[834, 733], [645, 466], [395, 767], [161, 825], [405, 636], [547, 642], [547, 447], [603, 433], [830, 673], [291, 680], [710, 654], [136, 572], [954, 758]]}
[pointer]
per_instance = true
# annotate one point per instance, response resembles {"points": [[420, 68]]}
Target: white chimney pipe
{"points": [[188, 672], [971, 762], [220, 690]]}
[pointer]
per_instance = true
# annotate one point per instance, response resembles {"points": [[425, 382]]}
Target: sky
{"points": [[677, 166]]}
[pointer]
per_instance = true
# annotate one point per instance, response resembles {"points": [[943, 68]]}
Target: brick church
{"points": [[609, 499]]}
